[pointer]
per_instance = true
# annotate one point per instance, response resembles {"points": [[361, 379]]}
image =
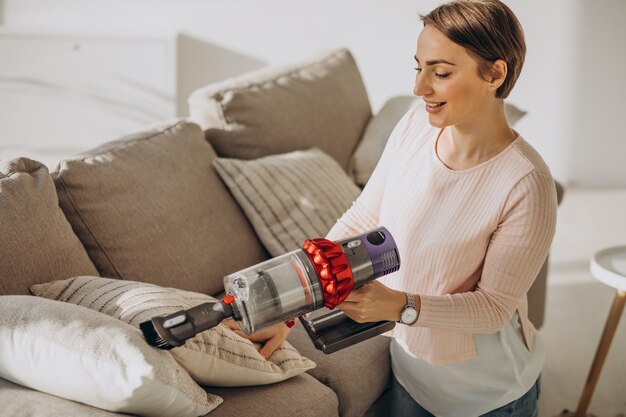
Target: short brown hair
{"points": [[489, 30]]}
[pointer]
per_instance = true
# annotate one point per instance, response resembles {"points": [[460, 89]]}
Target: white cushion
{"points": [[217, 357], [81, 355], [290, 197]]}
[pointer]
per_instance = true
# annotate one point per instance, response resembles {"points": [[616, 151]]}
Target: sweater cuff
{"points": [[431, 307]]}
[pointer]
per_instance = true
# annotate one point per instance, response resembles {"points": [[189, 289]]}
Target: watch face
{"points": [[409, 315]]}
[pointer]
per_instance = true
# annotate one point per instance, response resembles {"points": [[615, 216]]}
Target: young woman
{"points": [[472, 208]]}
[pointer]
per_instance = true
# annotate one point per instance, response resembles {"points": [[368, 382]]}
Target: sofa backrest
{"points": [[37, 243], [318, 103], [150, 207]]}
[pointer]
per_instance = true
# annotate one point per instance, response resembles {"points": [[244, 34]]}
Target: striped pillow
{"points": [[215, 357], [290, 197]]}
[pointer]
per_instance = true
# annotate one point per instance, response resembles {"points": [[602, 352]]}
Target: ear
{"points": [[498, 72]]}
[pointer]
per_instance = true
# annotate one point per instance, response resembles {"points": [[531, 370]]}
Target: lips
{"points": [[435, 106]]}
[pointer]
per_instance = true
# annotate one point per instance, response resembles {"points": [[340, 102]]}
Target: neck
{"points": [[481, 137]]}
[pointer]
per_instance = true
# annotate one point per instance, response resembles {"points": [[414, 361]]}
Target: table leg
{"points": [[603, 348]]}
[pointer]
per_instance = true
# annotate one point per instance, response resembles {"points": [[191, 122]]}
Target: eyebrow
{"points": [[435, 61]]}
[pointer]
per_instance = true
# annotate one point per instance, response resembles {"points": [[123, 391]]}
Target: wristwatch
{"points": [[409, 314]]}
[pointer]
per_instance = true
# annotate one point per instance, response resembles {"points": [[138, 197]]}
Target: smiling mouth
{"points": [[435, 105]]}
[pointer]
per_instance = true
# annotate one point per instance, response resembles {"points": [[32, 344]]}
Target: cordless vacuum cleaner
{"points": [[308, 282]]}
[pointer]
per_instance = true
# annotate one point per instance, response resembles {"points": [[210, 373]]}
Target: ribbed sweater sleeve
{"points": [[364, 214], [515, 254]]}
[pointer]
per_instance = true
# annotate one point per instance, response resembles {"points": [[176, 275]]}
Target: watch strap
{"points": [[410, 300]]}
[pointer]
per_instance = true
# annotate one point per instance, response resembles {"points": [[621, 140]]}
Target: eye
{"points": [[443, 76], [418, 69]]}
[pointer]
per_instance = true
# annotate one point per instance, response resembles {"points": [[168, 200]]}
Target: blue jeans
{"points": [[403, 405]]}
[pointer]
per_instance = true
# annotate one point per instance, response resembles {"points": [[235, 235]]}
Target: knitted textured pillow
{"points": [[216, 357], [290, 197]]}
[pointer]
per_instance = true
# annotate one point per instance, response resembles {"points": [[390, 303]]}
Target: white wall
{"points": [[571, 84]]}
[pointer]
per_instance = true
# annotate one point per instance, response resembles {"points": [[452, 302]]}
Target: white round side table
{"points": [[609, 267]]}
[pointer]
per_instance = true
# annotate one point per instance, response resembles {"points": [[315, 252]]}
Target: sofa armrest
{"points": [[377, 131]]}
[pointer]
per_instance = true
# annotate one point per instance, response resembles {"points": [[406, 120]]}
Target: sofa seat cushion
{"points": [[217, 356], [18, 400], [319, 103], [37, 243], [302, 396], [149, 207], [358, 374], [85, 356], [290, 197]]}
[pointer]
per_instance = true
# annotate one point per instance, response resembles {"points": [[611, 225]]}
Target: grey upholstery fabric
{"points": [[301, 396], [370, 148], [20, 401], [319, 103], [37, 243], [358, 374], [150, 207]]}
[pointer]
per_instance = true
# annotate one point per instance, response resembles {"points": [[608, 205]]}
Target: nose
{"points": [[422, 86]]}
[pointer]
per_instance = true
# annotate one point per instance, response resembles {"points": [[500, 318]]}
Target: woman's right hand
{"points": [[271, 337]]}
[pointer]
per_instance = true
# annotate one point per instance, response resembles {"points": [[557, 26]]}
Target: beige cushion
{"points": [[37, 243], [291, 197], [215, 357], [358, 374], [20, 401], [302, 396], [319, 103], [149, 207], [88, 357]]}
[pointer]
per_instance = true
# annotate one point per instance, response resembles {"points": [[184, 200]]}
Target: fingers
{"points": [[271, 345], [231, 324], [271, 337]]}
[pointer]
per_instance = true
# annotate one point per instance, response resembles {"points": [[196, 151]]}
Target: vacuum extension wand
{"points": [[320, 274]]}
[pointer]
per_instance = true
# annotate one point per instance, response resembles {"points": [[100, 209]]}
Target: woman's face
{"points": [[448, 80]]}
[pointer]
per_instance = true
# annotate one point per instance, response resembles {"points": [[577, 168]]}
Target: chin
{"points": [[436, 121]]}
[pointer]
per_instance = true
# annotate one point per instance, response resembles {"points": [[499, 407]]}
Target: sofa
{"points": [[160, 206]]}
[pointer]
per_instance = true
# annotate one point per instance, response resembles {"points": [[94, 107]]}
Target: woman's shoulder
{"points": [[531, 159]]}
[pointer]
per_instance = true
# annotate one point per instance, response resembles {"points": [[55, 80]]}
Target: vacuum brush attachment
{"points": [[172, 330]]}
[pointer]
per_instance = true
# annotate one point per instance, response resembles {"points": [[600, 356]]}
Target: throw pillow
{"points": [[37, 243], [319, 102], [291, 197], [81, 355], [150, 207], [217, 357]]}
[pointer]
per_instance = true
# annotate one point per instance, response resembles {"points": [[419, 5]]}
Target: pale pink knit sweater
{"points": [[471, 242]]}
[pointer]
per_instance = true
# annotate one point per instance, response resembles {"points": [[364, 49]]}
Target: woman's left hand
{"points": [[271, 337], [373, 302]]}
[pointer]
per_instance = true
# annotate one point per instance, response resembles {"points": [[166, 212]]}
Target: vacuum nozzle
{"points": [[172, 330]]}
